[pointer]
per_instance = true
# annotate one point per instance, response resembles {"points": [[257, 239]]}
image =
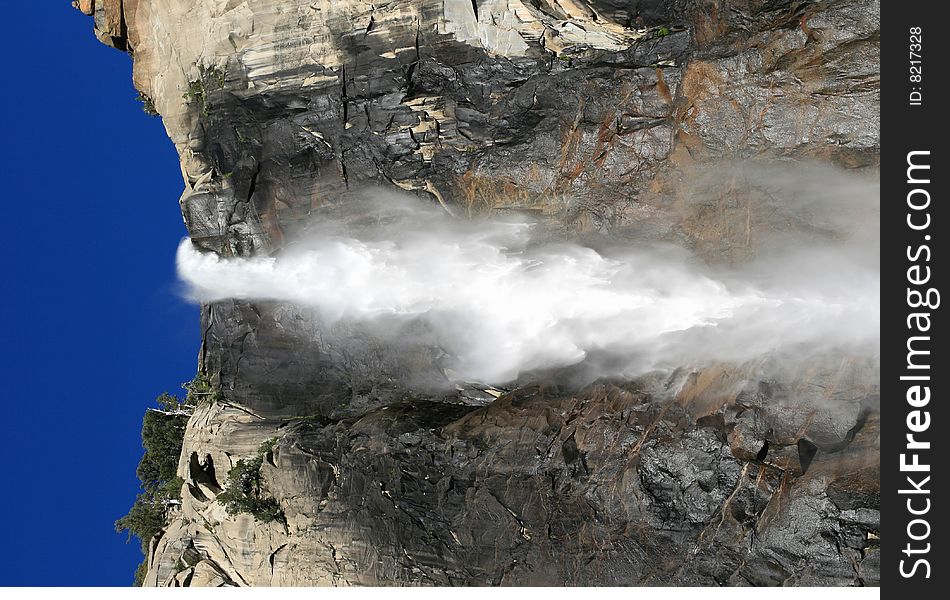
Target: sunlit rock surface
{"points": [[596, 116]]}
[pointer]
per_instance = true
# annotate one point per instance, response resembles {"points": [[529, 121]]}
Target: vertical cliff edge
{"points": [[596, 117]]}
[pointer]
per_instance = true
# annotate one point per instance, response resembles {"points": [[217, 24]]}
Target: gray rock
{"points": [[597, 116]]}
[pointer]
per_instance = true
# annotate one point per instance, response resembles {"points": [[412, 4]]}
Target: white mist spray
{"points": [[500, 302]]}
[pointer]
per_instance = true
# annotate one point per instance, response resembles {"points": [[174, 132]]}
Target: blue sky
{"points": [[93, 328]]}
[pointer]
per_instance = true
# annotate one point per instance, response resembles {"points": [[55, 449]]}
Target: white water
{"points": [[502, 303]]}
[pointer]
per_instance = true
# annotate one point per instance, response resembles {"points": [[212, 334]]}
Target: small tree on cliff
{"points": [[163, 430], [245, 489]]}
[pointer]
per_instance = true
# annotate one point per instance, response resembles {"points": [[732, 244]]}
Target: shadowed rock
{"points": [[596, 116]]}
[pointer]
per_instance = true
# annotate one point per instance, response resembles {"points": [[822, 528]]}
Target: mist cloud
{"points": [[500, 298]]}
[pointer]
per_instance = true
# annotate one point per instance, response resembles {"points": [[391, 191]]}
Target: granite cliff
{"points": [[599, 117]]}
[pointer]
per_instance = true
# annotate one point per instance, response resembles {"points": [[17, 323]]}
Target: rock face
{"points": [[598, 116]]}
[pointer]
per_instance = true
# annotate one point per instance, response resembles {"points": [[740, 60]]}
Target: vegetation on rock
{"points": [[245, 490], [163, 429], [198, 89], [148, 106], [201, 391]]}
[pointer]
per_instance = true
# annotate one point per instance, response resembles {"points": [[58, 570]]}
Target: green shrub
{"points": [[145, 519], [162, 434], [201, 391], [163, 430], [148, 106], [140, 572], [245, 489], [663, 32], [198, 89]]}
